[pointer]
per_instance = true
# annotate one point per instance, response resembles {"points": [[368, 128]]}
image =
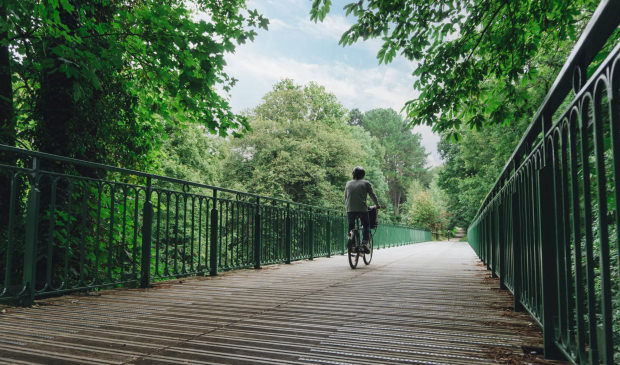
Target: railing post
{"points": [[516, 252], [548, 258], [147, 233], [32, 229], [311, 236], [487, 247], [214, 229], [344, 237], [329, 236], [288, 237], [501, 234], [257, 233], [493, 234]]}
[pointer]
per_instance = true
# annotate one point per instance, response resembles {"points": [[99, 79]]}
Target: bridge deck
{"points": [[427, 303]]}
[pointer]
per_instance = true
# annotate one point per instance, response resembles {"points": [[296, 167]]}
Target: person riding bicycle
{"points": [[355, 193]]}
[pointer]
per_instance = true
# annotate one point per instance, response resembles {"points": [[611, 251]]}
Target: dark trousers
{"points": [[365, 223]]}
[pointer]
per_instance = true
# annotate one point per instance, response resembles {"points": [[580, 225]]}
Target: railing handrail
{"points": [[126, 171], [600, 27]]}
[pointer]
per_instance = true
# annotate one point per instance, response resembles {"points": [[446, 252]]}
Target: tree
{"points": [[461, 45], [426, 213], [288, 102], [472, 164], [7, 121], [373, 165], [300, 161], [355, 117], [300, 148], [191, 153], [95, 79], [405, 157]]}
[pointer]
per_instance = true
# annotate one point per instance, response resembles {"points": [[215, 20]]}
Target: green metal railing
{"points": [[68, 225], [549, 228]]}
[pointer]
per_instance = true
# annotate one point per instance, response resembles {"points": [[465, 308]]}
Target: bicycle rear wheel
{"points": [[368, 257], [354, 254]]}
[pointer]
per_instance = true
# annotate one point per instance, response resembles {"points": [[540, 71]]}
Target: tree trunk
{"points": [[395, 193], [55, 104], [7, 118]]}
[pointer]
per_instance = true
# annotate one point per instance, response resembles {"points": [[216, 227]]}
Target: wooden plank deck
{"points": [[430, 303]]}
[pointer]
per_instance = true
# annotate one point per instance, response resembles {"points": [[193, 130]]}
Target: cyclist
{"points": [[355, 193]]}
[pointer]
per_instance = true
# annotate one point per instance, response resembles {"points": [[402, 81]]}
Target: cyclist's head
{"points": [[358, 173]]}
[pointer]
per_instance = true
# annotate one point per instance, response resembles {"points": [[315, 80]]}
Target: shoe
{"points": [[365, 248]]}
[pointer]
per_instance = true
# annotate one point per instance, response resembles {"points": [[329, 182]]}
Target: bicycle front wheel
{"points": [[354, 254], [368, 257]]}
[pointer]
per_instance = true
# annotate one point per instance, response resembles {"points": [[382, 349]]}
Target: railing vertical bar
{"points": [[32, 229], [558, 242], [111, 231], [548, 254], [193, 237], [184, 236], [96, 245], [589, 240], [615, 143], [123, 246], [52, 229], [257, 235], [576, 228], [601, 179], [213, 247], [157, 234], [516, 249], [147, 233], [175, 243], [569, 303], [199, 268], [83, 209], [167, 239], [136, 220], [69, 230]]}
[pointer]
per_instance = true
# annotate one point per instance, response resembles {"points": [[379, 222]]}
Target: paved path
{"points": [[430, 303]]}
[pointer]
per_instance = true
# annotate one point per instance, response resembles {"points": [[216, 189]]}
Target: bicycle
{"points": [[355, 249]]}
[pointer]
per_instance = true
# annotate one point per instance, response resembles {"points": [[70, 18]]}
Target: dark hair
{"points": [[358, 173]]}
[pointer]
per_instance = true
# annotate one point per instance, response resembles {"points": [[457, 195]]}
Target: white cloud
{"points": [[276, 24], [332, 27], [385, 86]]}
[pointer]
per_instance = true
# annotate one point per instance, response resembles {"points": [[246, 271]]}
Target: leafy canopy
{"points": [[300, 147], [404, 158], [99, 75], [459, 45]]}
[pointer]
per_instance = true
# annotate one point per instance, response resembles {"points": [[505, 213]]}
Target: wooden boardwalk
{"points": [[430, 303]]}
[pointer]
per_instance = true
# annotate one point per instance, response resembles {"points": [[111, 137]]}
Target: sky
{"points": [[295, 47]]}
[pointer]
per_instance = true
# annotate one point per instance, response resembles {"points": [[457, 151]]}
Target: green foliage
{"points": [[311, 103], [472, 165], [426, 207], [95, 79], [191, 153], [301, 161], [404, 157], [373, 164], [473, 162], [300, 147], [356, 117], [459, 47]]}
